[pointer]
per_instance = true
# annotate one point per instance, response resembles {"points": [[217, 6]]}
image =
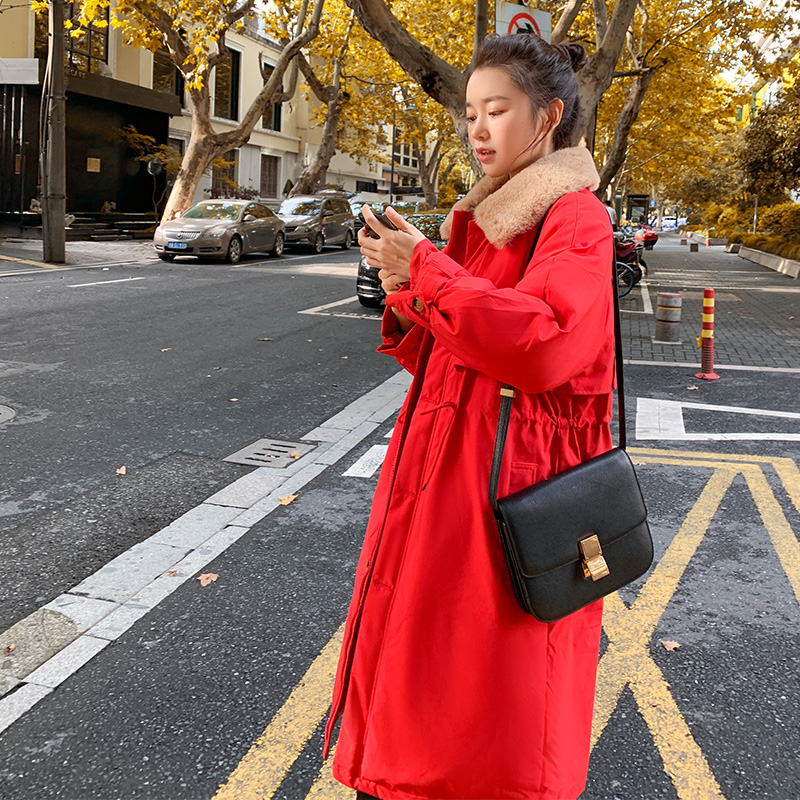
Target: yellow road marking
{"points": [[28, 261], [783, 538], [266, 764], [627, 659], [326, 787]]}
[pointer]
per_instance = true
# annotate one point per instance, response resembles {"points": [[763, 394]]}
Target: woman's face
{"points": [[503, 130]]}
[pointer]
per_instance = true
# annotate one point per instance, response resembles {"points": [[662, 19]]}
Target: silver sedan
{"points": [[221, 229]]}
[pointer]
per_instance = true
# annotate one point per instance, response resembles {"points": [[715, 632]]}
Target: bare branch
{"points": [[568, 16]]}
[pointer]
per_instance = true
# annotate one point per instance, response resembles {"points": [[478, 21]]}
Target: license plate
{"points": [[177, 245]]}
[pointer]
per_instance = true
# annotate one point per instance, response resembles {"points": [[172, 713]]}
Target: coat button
{"points": [[418, 305]]}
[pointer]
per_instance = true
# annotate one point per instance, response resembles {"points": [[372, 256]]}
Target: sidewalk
{"points": [[23, 255], [757, 310]]}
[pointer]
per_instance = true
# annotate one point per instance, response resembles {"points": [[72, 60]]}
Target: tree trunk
{"points": [[313, 174], [625, 120], [428, 170], [596, 76]]}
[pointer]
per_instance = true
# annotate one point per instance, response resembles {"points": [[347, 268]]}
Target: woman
{"points": [[446, 688]]}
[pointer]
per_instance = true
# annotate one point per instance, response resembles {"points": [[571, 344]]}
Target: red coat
{"points": [[446, 687]]}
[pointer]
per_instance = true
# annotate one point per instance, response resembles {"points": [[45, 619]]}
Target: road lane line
{"points": [[103, 283], [783, 537], [326, 306], [326, 787], [695, 365], [369, 463], [260, 772], [627, 659]]}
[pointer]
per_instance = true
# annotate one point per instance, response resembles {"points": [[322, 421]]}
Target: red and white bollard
{"points": [[706, 340]]}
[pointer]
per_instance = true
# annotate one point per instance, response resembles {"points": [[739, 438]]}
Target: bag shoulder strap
{"points": [[508, 392]]}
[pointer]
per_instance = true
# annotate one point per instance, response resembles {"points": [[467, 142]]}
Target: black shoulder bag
{"points": [[580, 535]]}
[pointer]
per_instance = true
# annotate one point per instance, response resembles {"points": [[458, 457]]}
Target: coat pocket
{"points": [[520, 475]]}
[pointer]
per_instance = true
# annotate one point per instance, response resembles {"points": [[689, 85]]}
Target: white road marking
{"points": [[696, 365], [102, 283], [646, 302], [109, 602], [325, 307], [369, 463], [663, 419]]}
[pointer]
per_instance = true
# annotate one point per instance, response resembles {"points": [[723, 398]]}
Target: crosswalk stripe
{"points": [[369, 463]]}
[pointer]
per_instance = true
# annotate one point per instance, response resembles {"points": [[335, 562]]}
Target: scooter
{"points": [[647, 237]]}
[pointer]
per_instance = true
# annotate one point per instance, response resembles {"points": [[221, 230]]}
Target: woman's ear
{"points": [[554, 111]]}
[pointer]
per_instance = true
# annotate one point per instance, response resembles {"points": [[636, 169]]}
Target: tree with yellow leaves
{"points": [[193, 33]]}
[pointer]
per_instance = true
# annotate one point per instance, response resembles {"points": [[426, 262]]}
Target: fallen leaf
{"points": [[639, 463], [217, 367], [668, 645], [10, 649], [692, 388], [294, 454], [792, 317], [265, 340], [122, 471], [284, 501], [172, 572], [165, 349], [234, 400], [207, 577], [309, 340], [344, 358]]}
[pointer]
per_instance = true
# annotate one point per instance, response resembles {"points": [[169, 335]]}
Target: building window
{"points": [[226, 86], [166, 76], [224, 179], [271, 118], [270, 166], [366, 186], [404, 156], [86, 49]]}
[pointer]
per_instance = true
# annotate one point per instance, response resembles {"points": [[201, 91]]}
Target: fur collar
{"points": [[503, 208]]}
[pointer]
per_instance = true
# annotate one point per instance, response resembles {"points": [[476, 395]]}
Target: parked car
{"points": [[669, 223], [368, 284], [221, 229], [317, 220]]}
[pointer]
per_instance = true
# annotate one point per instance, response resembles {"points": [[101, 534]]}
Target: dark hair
{"points": [[543, 71]]}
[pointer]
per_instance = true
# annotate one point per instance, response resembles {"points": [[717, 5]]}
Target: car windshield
{"points": [[227, 211], [299, 206]]}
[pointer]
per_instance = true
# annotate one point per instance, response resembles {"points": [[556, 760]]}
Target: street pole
{"points": [[391, 172], [54, 198]]}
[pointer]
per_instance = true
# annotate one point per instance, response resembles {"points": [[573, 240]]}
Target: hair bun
{"points": [[572, 52]]}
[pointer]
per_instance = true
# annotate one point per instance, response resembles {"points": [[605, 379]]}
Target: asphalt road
{"points": [[168, 369]]}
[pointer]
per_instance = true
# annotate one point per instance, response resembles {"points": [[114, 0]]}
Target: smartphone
{"points": [[384, 220]]}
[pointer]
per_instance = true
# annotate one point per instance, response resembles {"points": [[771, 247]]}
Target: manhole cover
{"points": [[7, 414], [270, 453]]}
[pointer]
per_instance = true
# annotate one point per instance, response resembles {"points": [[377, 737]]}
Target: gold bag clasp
{"points": [[594, 565]]}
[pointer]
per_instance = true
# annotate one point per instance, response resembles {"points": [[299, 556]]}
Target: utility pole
{"points": [[53, 166]]}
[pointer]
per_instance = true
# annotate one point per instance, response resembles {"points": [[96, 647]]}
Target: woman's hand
{"points": [[391, 254]]}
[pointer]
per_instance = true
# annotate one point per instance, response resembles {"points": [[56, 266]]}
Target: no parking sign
{"points": [[511, 18]]}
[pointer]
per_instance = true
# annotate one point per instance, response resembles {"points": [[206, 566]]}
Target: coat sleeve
{"points": [[544, 331], [403, 347]]}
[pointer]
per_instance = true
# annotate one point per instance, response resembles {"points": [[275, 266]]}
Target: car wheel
{"points": [[348, 240], [319, 243], [166, 256], [234, 251], [371, 302], [277, 248]]}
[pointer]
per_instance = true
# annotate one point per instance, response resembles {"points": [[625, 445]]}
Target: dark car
{"points": [[220, 229], [317, 220], [368, 285]]}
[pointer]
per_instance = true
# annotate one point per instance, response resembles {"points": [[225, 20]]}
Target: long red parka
{"points": [[446, 688]]}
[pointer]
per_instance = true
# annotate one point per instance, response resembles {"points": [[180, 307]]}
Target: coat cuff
{"points": [[430, 271]]}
